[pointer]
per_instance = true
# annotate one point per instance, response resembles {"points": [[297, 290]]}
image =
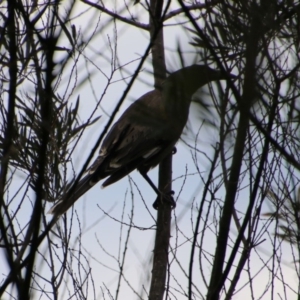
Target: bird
{"points": [[145, 133]]}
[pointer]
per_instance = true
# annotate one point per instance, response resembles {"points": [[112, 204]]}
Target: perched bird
{"points": [[145, 134]]}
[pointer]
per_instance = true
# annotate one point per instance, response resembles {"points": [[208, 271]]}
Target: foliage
{"points": [[235, 231]]}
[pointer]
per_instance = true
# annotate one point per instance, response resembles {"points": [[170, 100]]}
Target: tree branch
{"points": [[117, 16]]}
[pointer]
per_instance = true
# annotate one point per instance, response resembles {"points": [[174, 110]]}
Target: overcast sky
{"points": [[131, 45]]}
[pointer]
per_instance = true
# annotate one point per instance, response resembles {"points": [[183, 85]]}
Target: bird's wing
{"points": [[137, 144], [140, 133]]}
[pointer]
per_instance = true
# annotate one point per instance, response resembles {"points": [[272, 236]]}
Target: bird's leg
{"points": [[168, 197]]}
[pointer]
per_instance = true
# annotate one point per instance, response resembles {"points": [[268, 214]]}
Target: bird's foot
{"points": [[167, 198]]}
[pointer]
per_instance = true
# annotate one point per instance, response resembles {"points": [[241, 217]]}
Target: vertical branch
{"points": [[8, 137], [46, 112], [237, 160], [157, 36], [160, 259]]}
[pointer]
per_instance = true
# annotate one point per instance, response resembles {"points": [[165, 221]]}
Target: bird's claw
{"points": [[167, 198]]}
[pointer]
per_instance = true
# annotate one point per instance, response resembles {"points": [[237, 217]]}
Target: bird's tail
{"points": [[71, 196]]}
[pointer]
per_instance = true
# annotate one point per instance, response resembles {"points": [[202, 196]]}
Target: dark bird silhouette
{"points": [[145, 134]]}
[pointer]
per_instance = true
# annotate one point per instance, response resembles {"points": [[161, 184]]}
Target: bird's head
{"points": [[190, 79]]}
